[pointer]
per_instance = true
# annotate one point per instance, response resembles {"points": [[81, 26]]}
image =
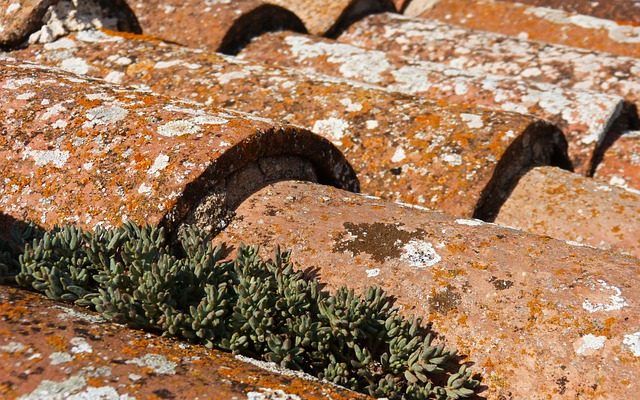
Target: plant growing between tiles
{"points": [[249, 306]]}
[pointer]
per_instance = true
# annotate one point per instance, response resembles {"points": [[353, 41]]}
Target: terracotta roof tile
{"points": [[556, 203], [54, 351], [540, 317], [491, 53], [534, 23], [621, 162], [223, 26], [458, 159], [588, 119], [86, 152], [625, 11]]}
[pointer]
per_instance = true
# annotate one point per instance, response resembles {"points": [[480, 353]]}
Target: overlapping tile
{"points": [[621, 162], [539, 317], [21, 18], [331, 16], [557, 203], [491, 53], [54, 351], [534, 23], [87, 153], [588, 119], [458, 159], [624, 11], [223, 26]]}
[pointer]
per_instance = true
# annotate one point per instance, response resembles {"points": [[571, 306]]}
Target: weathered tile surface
{"points": [[329, 17], [534, 23], [492, 53], [20, 18], [73, 150], [624, 11], [621, 162], [458, 159], [222, 26], [557, 203], [586, 118], [538, 317], [52, 351]]}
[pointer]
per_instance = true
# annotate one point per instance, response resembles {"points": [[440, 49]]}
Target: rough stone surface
{"points": [[624, 11], [329, 17], [539, 318], [20, 18], [219, 25], [535, 23], [492, 53], [80, 151], [52, 351], [460, 159], [621, 163], [556, 203], [588, 119]]}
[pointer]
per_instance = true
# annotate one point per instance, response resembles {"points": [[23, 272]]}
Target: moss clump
{"points": [[257, 308]]}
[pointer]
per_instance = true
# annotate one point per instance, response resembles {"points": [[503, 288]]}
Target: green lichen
{"points": [[258, 308]]}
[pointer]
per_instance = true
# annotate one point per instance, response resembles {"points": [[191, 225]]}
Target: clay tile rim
{"points": [[356, 11]]}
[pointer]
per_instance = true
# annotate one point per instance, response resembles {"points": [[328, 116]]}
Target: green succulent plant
{"points": [[263, 309]]}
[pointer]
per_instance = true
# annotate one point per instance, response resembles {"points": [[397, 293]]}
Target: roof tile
{"points": [[491, 53], [624, 11], [535, 23], [556, 203], [621, 162], [54, 351], [459, 159], [588, 119], [85, 152], [540, 317]]}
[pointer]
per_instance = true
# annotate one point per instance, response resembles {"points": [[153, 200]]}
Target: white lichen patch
{"points": [[57, 158], [633, 342], [80, 345], [161, 162], [372, 273], [175, 63], [58, 358], [589, 344], [68, 313], [158, 363], [95, 36], [473, 121], [75, 65], [61, 44], [419, 254], [229, 76], [452, 159], [179, 128], [52, 390], [351, 106], [469, 222], [270, 394], [332, 128], [372, 124], [367, 66], [616, 301], [13, 347], [114, 77], [100, 393], [145, 189], [104, 115], [26, 96]]}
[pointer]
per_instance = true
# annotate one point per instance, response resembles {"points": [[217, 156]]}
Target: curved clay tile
{"points": [[621, 162], [85, 152], [462, 160], [20, 18], [330, 17], [538, 316], [588, 119], [624, 11], [50, 350], [534, 23], [552, 202], [222, 26], [491, 53]]}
